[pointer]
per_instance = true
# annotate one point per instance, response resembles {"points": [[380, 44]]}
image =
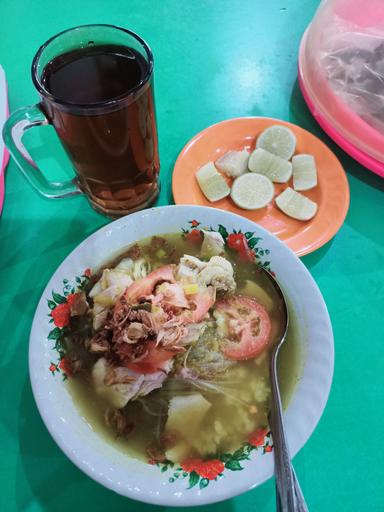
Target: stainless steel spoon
{"points": [[289, 497]]}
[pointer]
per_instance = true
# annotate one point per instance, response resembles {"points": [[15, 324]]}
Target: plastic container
{"points": [[341, 75]]}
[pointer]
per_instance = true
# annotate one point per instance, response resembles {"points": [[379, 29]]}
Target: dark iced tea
{"points": [[104, 113]]}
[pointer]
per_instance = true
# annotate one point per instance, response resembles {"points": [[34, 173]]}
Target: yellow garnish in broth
{"points": [[191, 289]]}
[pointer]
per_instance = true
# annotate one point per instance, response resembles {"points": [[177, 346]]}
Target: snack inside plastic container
{"points": [[341, 72]]}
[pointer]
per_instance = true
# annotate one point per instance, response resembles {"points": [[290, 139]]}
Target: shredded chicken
{"points": [[172, 333], [119, 375], [219, 261], [153, 381], [157, 242], [193, 333], [98, 344], [134, 252], [79, 305], [155, 318], [118, 385], [173, 295], [218, 278], [135, 331], [217, 272], [76, 365], [169, 438], [192, 262], [155, 454], [114, 418]]}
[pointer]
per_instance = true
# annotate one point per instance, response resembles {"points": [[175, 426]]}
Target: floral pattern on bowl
{"points": [[245, 244], [200, 472], [59, 306]]}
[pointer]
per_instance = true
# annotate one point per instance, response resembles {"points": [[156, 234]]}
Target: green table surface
{"points": [[213, 61]]}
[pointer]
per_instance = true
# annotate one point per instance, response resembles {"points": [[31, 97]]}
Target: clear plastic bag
{"points": [[353, 60], [343, 69]]}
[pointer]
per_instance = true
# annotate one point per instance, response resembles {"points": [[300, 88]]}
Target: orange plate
{"points": [[331, 193]]}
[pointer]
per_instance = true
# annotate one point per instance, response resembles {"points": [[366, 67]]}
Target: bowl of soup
{"points": [[150, 347]]}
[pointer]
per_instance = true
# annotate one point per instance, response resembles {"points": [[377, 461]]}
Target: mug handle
{"points": [[14, 128]]}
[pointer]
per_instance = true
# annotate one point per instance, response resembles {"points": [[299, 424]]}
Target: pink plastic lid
{"points": [[336, 51], [329, 127], [363, 13]]}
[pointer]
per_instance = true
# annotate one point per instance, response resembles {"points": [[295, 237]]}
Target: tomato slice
{"points": [[247, 324], [203, 302], [145, 286], [153, 361]]}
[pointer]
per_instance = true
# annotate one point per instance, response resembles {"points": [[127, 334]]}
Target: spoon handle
{"points": [[301, 505], [290, 498]]}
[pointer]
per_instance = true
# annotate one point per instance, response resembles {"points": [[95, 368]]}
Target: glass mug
{"points": [[96, 88]]}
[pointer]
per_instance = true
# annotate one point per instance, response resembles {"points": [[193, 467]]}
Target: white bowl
{"points": [[136, 479]]}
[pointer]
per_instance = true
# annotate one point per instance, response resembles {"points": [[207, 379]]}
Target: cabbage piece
{"points": [[99, 315], [140, 269], [111, 278], [135, 269], [116, 277], [125, 265], [109, 296], [96, 289], [108, 289]]}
